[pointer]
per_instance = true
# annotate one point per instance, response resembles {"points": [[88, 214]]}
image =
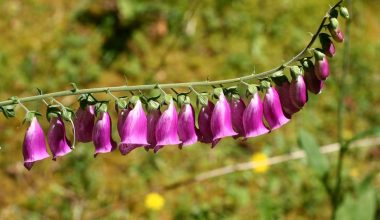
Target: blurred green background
{"points": [[48, 44]]}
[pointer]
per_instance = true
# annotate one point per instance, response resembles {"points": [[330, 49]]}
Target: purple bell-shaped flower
{"points": [[84, 123], [221, 121], [284, 93], [186, 125], [34, 146], [102, 134], [335, 31], [152, 120], [321, 68], [135, 129], [297, 89], [121, 119], [272, 110], [237, 107], [204, 123], [327, 44], [166, 129], [313, 84], [57, 140], [253, 118]]}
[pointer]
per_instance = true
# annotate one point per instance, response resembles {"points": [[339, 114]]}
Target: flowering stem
{"points": [[261, 75]]}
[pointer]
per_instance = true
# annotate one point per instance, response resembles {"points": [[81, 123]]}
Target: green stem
{"points": [[337, 192], [177, 85]]}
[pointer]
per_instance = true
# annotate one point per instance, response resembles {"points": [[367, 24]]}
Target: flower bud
{"points": [[134, 130], [272, 109], [335, 31], [344, 12], [221, 122], [284, 93], [102, 134], [186, 125], [327, 45], [313, 84], [253, 118], [237, 107], [59, 145], [84, 124], [321, 68], [298, 91], [34, 146], [204, 123], [166, 130]]}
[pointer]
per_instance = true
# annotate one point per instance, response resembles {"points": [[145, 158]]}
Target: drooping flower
{"points": [[253, 118], [57, 140], [327, 44], [186, 125], [102, 134], [272, 109], [297, 89], [84, 123], [284, 93], [221, 121], [34, 146], [134, 130], [321, 68], [121, 118], [237, 107], [313, 84], [166, 129], [204, 123], [335, 31], [152, 120]]}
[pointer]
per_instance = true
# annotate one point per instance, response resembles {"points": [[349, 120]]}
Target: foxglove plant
{"points": [[166, 129], [221, 121], [272, 109], [57, 140], [134, 129], [34, 146], [102, 134], [253, 118]]}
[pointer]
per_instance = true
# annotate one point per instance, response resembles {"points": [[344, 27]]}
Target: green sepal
{"points": [[153, 105], [30, 115], [344, 12], [86, 99], [8, 111], [217, 92], [168, 99], [183, 99], [252, 89], [307, 64], [121, 103], [134, 99], [280, 80], [295, 71], [67, 114], [101, 107], [75, 88], [202, 99], [53, 111], [278, 73], [334, 23], [265, 84], [319, 55]]}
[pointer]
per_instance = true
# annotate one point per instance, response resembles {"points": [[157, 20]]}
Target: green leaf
{"points": [[8, 111], [362, 207], [316, 160]]}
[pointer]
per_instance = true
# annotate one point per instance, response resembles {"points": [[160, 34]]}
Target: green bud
{"points": [[344, 12], [319, 55], [334, 23]]}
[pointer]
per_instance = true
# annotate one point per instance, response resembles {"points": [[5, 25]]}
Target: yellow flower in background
{"points": [[154, 201], [261, 162]]}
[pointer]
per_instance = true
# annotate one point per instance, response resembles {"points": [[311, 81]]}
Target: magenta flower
{"points": [[84, 124], [298, 91], [57, 140], [253, 118], [121, 118], [204, 123], [287, 105], [237, 107], [34, 146], [273, 111], [186, 125], [327, 45], [321, 68], [166, 129], [313, 84], [101, 135], [221, 121], [152, 120], [134, 130]]}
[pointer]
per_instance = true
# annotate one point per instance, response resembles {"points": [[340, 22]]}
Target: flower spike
{"points": [[34, 146], [57, 140]]}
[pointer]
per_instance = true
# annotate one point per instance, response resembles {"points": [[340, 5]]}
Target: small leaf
{"points": [[316, 160]]}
